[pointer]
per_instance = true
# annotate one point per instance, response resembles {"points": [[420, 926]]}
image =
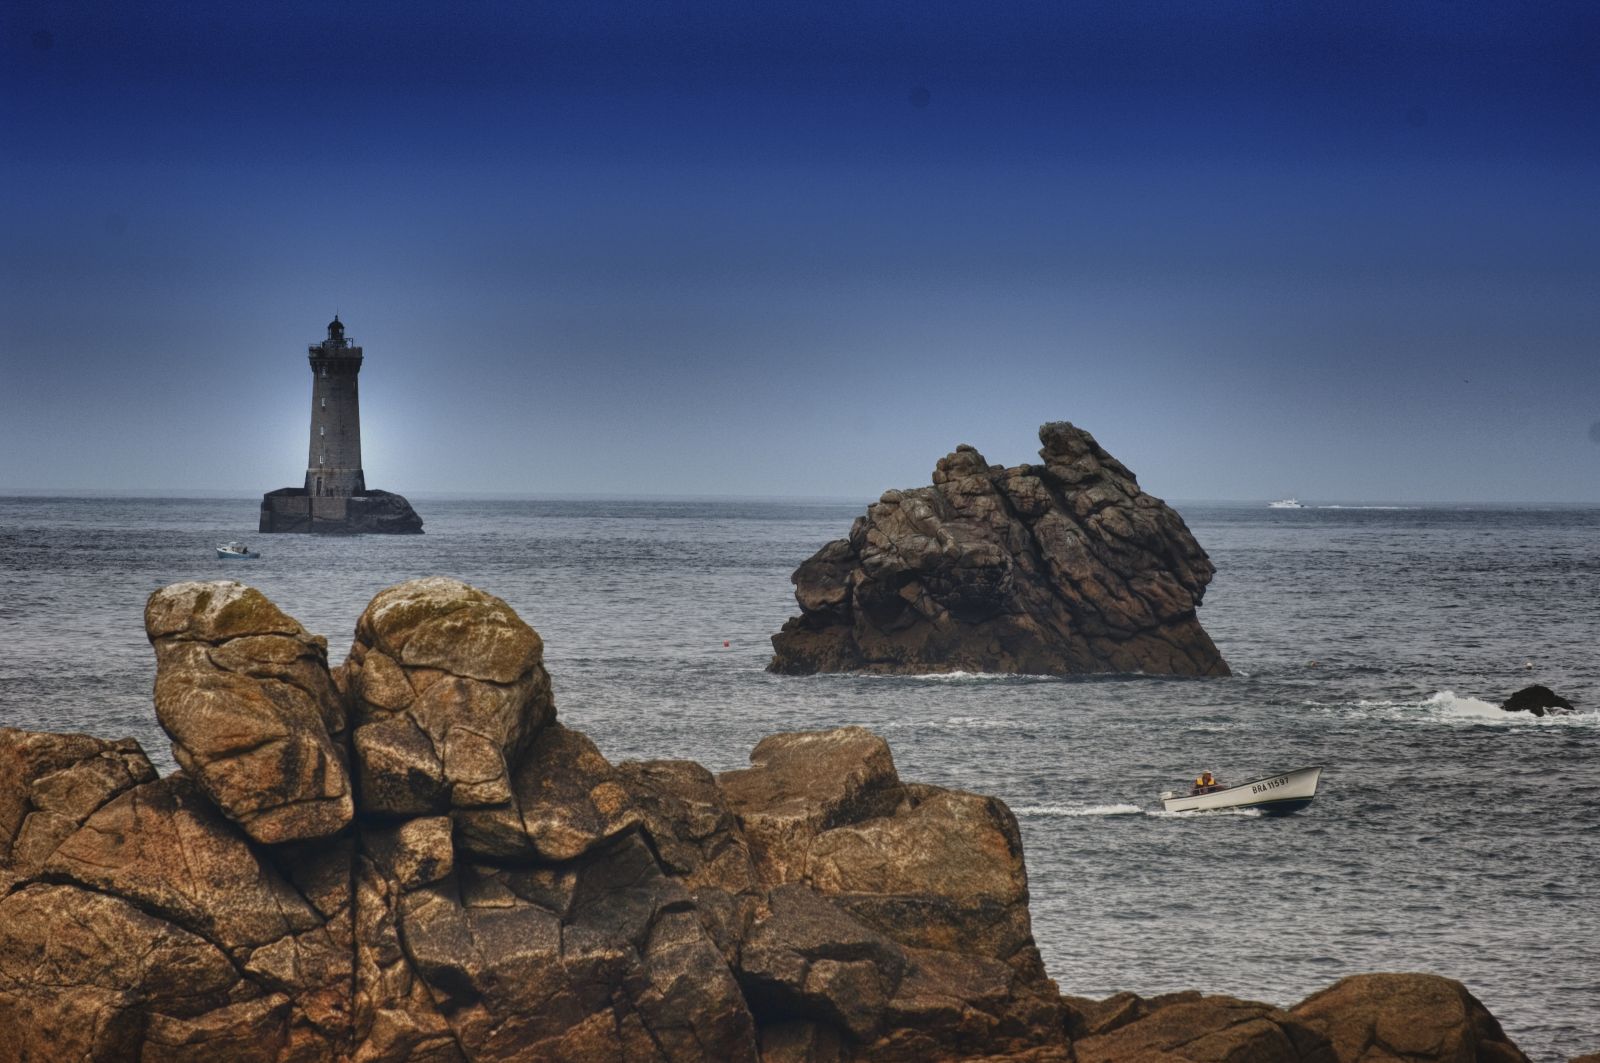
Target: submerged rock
{"points": [[528, 900], [1057, 569], [1538, 700]]}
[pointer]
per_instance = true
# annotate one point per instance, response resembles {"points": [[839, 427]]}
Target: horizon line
{"points": [[218, 494]]}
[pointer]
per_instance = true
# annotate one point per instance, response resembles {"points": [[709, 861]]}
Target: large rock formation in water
{"points": [[1062, 568], [408, 858]]}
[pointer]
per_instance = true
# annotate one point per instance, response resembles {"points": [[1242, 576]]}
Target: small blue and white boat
{"points": [[235, 551], [1273, 794]]}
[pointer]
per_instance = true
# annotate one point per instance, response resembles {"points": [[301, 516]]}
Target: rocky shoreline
{"points": [[407, 857], [1063, 568]]}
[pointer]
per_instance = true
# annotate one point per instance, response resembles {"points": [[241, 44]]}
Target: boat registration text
{"points": [[1269, 784]]}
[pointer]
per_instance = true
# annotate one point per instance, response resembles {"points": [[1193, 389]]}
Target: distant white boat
{"points": [[1272, 794], [1285, 503], [234, 551]]}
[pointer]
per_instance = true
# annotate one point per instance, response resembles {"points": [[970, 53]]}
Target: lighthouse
{"points": [[333, 469], [335, 498]]}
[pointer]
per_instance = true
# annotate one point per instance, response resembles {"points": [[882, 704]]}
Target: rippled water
{"points": [[1448, 836]]}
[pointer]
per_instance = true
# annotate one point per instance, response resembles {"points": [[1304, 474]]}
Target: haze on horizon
{"points": [[1343, 252]]}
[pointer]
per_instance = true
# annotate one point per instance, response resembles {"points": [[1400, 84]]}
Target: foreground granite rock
{"points": [[1054, 569], [1191, 1028], [244, 692], [1374, 1017], [447, 688], [482, 884]]}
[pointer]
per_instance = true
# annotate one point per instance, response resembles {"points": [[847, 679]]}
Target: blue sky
{"points": [[1345, 251]]}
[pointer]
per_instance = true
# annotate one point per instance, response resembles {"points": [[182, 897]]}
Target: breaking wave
{"points": [[1068, 811], [1448, 707], [1078, 810], [950, 677]]}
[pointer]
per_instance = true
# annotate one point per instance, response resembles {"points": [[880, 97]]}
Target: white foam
{"points": [[1071, 811], [980, 722], [1078, 810], [1449, 703], [1448, 707], [961, 677]]}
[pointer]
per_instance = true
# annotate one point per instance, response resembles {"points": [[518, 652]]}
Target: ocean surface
{"points": [[1448, 836]]}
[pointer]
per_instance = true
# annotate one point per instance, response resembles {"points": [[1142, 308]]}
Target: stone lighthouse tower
{"points": [[335, 498], [333, 469]]}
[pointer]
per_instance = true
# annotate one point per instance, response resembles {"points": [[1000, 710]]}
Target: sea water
{"points": [[1448, 836]]}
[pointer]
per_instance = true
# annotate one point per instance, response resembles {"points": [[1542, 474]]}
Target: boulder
{"points": [[619, 966], [1538, 700], [1423, 1018], [698, 840], [50, 784], [85, 975], [944, 872], [567, 800], [1062, 568], [799, 785], [1091, 1018], [953, 1004], [244, 692], [933, 877], [447, 688], [808, 959], [167, 848], [1206, 1029]]}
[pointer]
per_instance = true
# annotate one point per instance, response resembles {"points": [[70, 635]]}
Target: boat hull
{"points": [[228, 555], [1273, 794]]}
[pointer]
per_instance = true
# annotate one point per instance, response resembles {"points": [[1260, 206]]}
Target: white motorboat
{"points": [[1285, 503], [1272, 794], [235, 551]]}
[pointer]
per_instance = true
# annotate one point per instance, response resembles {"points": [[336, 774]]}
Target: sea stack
{"points": [[1063, 568], [335, 498]]}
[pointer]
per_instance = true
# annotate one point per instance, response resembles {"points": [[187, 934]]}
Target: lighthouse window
{"points": [[324, 402], [322, 429]]}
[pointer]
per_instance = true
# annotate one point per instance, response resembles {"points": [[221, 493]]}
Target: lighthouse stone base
{"points": [[294, 509]]}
